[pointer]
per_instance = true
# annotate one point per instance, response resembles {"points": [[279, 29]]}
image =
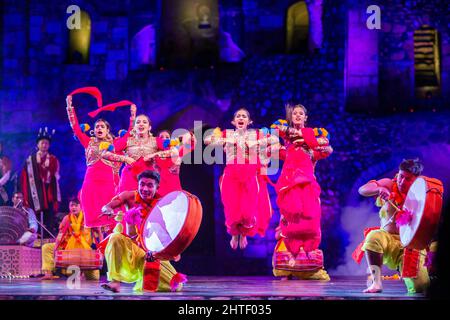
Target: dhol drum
{"points": [[171, 225], [424, 202], [13, 224], [83, 258]]}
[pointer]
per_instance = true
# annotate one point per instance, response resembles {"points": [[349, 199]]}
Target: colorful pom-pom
{"points": [[404, 217], [122, 133], [85, 127], [217, 132], [166, 143], [175, 142], [106, 146], [264, 131], [321, 132], [278, 123]]}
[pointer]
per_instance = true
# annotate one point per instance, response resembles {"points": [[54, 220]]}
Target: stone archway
{"points": [[297, 28]]}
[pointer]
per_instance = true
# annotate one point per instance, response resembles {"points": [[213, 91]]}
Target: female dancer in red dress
{"points": [[138, 151], [298, 191], [239, 185], [168, 162], [102, 176]]}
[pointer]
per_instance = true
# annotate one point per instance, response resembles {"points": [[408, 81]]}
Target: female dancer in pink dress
{"points": [[138, 150], [298, 191], [102, 176], [245, 214]]}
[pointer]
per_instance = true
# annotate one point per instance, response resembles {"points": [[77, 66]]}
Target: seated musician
{"points": [[30, 235], [124, 254], [72, 235], [382, 244]]}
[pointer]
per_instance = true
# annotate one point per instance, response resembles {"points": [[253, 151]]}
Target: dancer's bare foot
{"points": [[113, 286], [48, 276], [374, 288], [243, 242], [234, 242]]}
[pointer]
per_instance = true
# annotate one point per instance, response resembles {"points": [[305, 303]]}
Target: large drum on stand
{"points": [[424, 202], [171, 225], [13, 224], [83, 258]]}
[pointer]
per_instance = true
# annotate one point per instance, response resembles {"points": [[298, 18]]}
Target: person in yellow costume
{"points": [[124, 254], [72, 235]]}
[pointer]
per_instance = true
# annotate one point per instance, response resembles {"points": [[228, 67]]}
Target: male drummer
{"points": [[382, 244], [30, 235], [124, 254]]}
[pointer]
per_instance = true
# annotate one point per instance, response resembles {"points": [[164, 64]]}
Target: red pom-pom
{"points": [[403, 218]]}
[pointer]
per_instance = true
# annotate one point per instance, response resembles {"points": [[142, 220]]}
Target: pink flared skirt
{"points": [[239, 188], [99, 187], [299, 202]]}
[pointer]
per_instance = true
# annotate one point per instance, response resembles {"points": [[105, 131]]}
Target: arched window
{"points": [[426, 61], [80, 41], [297, 28]]}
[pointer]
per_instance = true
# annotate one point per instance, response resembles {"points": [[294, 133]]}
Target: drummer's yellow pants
{"points": [[48, 262], [126, 260], [389, 245]]}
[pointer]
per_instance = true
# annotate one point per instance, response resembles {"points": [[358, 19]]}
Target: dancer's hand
{"points": [[384, 193], [129, 160], [149, 257], [107, 211], [69, 101], [149, 156], [251, 143], [133, 111]]}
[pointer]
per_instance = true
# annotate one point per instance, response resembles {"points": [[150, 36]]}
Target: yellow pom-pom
{"points": [[325, 132], [217, 132], [174, 142], [104, 145]]}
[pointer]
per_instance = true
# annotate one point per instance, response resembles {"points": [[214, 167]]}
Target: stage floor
{"points": [[211, 288]]}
